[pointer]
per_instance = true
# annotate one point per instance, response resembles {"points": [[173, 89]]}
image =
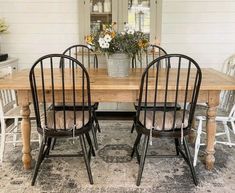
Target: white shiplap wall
{"points": [[38, 27], [203, 29]]}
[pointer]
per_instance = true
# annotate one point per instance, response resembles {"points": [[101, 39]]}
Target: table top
{"points": [[211, 80]]}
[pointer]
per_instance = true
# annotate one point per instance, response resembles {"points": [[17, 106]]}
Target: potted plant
{"points": [[118, 47]]}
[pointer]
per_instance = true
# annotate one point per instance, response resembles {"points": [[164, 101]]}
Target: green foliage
{"points": [[109, 41]]}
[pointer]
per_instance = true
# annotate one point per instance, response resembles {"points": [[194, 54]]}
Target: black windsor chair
{"points": [[50, 85], [164, 122], [151, 53], [89, 59]]}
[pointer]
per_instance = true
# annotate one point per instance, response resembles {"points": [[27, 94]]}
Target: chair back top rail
{"points": [[152, 52], [83, 54]]}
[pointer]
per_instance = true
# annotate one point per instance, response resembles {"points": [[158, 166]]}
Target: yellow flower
{"points": [[113, 34], [143, 43], [89, 39]]}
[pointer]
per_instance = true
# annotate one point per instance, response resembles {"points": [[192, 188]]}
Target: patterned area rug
{"points": [[114, 171]]}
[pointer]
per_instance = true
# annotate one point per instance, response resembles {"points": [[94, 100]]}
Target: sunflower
{"points": [[89, 39]]}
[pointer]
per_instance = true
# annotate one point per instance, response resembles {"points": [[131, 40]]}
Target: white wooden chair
{"points": [[225, 120], [228, 96], [227, 102], [9, 110]]}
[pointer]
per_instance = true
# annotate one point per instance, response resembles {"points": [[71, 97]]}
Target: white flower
{"points": [[130, 31], [107, 38], [106, 45], [102, 44], [123, 33], [101, 41]]}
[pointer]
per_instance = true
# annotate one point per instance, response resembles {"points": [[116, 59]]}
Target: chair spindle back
{"points": [[51, 84]]}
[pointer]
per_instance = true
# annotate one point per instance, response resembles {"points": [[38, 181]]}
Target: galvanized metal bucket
{"points": [[118, 65]]}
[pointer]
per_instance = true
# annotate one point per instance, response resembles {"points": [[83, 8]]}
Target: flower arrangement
{"points": [[109, 41], [3, 26]]}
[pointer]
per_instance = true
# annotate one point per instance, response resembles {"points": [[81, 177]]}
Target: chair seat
{"points": [[69, 116], [159, 106], [159, 116]]}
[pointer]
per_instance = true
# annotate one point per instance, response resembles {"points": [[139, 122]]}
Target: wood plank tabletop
{"points": [[211, 80]]}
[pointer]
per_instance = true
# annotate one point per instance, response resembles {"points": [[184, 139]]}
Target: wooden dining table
{"points": [[125, 89]]}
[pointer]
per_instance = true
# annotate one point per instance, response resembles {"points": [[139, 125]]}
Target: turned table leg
{"points": [[211, 129], [25, 129]]}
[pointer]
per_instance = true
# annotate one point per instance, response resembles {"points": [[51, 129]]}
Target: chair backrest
{"points": [[7, 101], [83, 54], [180, 84], [227, 97], [232, 112], [229, 66], [151, 53], [52, 84]]}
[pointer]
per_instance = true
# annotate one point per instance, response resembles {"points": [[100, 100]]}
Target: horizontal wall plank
{"points": [[196, 7], [198, 17], [198, 28], [199, 48], [43, 28], [42, 39], [38, 7], [34, 18], [195, 38], [38, 1]]}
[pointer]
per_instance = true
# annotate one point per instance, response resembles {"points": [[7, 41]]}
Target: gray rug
{"points": [[114, 171]]}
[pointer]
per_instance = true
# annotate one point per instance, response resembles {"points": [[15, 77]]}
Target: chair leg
{"points": [[137, 141], [233, 126], [39, 161], [90, 143], [187, 152], [39, 140], [133, 127], [176, 146], [142, 160], [226, 130], [49, 140], [96, 120], [53, 143], [94, 136], [85, 155], [3, 140], [16, 122], [197, 143]]}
